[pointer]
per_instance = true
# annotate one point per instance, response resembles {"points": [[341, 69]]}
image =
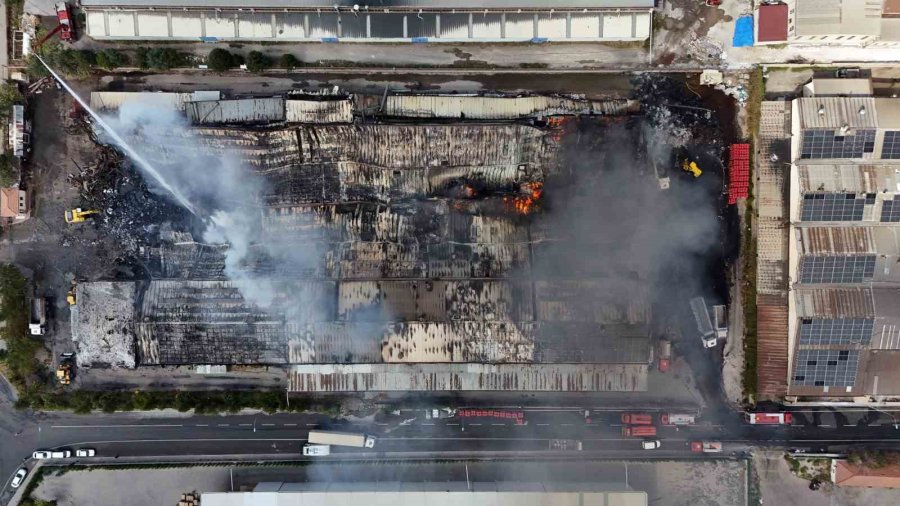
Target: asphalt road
{"points": [[410, 435]]}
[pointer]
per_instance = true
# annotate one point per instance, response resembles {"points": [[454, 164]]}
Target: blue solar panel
{"points": [[837, 269], [833, 368], [836, 331]]}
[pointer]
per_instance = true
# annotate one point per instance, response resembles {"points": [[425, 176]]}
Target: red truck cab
{"points": [[637, 419], [639, 431], [64, 17], [770, 418]]}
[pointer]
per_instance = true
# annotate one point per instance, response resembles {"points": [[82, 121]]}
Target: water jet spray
{"points": [[144, 164]]}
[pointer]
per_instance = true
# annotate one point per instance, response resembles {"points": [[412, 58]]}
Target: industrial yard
{"points": [[395, 242]]}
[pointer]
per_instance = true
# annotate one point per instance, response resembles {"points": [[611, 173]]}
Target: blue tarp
{"points": [[743, 32]]}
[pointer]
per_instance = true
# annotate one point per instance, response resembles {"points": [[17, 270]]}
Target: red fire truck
{"points": [[769, 418]]}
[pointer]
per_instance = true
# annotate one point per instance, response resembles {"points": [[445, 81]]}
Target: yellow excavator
{"points": [[78, 216], [692, 167]]}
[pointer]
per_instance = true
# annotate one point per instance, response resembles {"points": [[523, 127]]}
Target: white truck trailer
{"points": [[354, 439], [704, 323]]}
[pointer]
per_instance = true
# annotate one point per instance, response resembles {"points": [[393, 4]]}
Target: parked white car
{"points": [[650, 444], [64, 454], [19, 477], [41, 455], [85, 452]]}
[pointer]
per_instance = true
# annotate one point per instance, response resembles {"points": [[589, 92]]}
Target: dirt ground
{"points": [[779, 486], [45, 247], [698, 483]]}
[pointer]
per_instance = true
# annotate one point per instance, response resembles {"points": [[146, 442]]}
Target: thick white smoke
{"points": [[223, 192]]}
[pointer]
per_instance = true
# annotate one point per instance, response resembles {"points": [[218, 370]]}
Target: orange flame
{"points": [[524, 204]]}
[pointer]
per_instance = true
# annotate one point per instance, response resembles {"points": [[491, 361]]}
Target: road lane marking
{"points": [[566, 424], [431, 424], [542, 424], [498, 424], [452, 424], [202, 425], [124, 426], [311, 425], [223, 425], [475, 424], [376, 423]]}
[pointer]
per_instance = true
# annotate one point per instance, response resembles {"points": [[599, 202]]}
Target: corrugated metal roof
{"points": [[393, 4], [836, 240], [247, 110], [772, 23], [400, 494], [836, 112], [469, 377], [832, 87], [888, 113], [772, 346], [472, 107], [849, 178], [113, 100], [837, 17], [318, 111], [834, 302]]}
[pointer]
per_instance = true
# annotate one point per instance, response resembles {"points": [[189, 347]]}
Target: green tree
{"points": [[142, 57], [257, 62], [288, 61], [164, 58], [220, 60], [111, 59], [7, 172], [9, 96]]}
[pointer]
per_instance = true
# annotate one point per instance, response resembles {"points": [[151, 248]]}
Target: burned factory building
{"points": [[387, 254]]}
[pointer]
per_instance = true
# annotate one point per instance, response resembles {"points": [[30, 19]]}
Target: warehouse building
{"points": [[844, 308], [834, 22], [414, 263], [394, 493], [343, 20]]}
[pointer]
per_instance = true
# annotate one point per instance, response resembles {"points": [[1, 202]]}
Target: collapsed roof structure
{"points": [[412, 251]]}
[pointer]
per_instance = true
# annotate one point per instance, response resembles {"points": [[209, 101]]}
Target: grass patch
{"points": [[86, 401], [810, 469], [749, 379], [24, 371]]}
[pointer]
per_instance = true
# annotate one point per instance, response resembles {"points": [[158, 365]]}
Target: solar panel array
{"points": [[891, 147], [836, 331], [837, 269], [832, 207], [826, 144], [833, 368], [890, 211]]}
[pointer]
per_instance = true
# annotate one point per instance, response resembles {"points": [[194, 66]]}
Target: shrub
{"points": [[164, 58], [220, 60], [111, 59], [257, 62], [7, 171], [288, 61]]}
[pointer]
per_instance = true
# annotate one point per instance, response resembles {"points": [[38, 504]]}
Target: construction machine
{"points": [[70, 295], [64, 373], [692, 167], [78, 216]]}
